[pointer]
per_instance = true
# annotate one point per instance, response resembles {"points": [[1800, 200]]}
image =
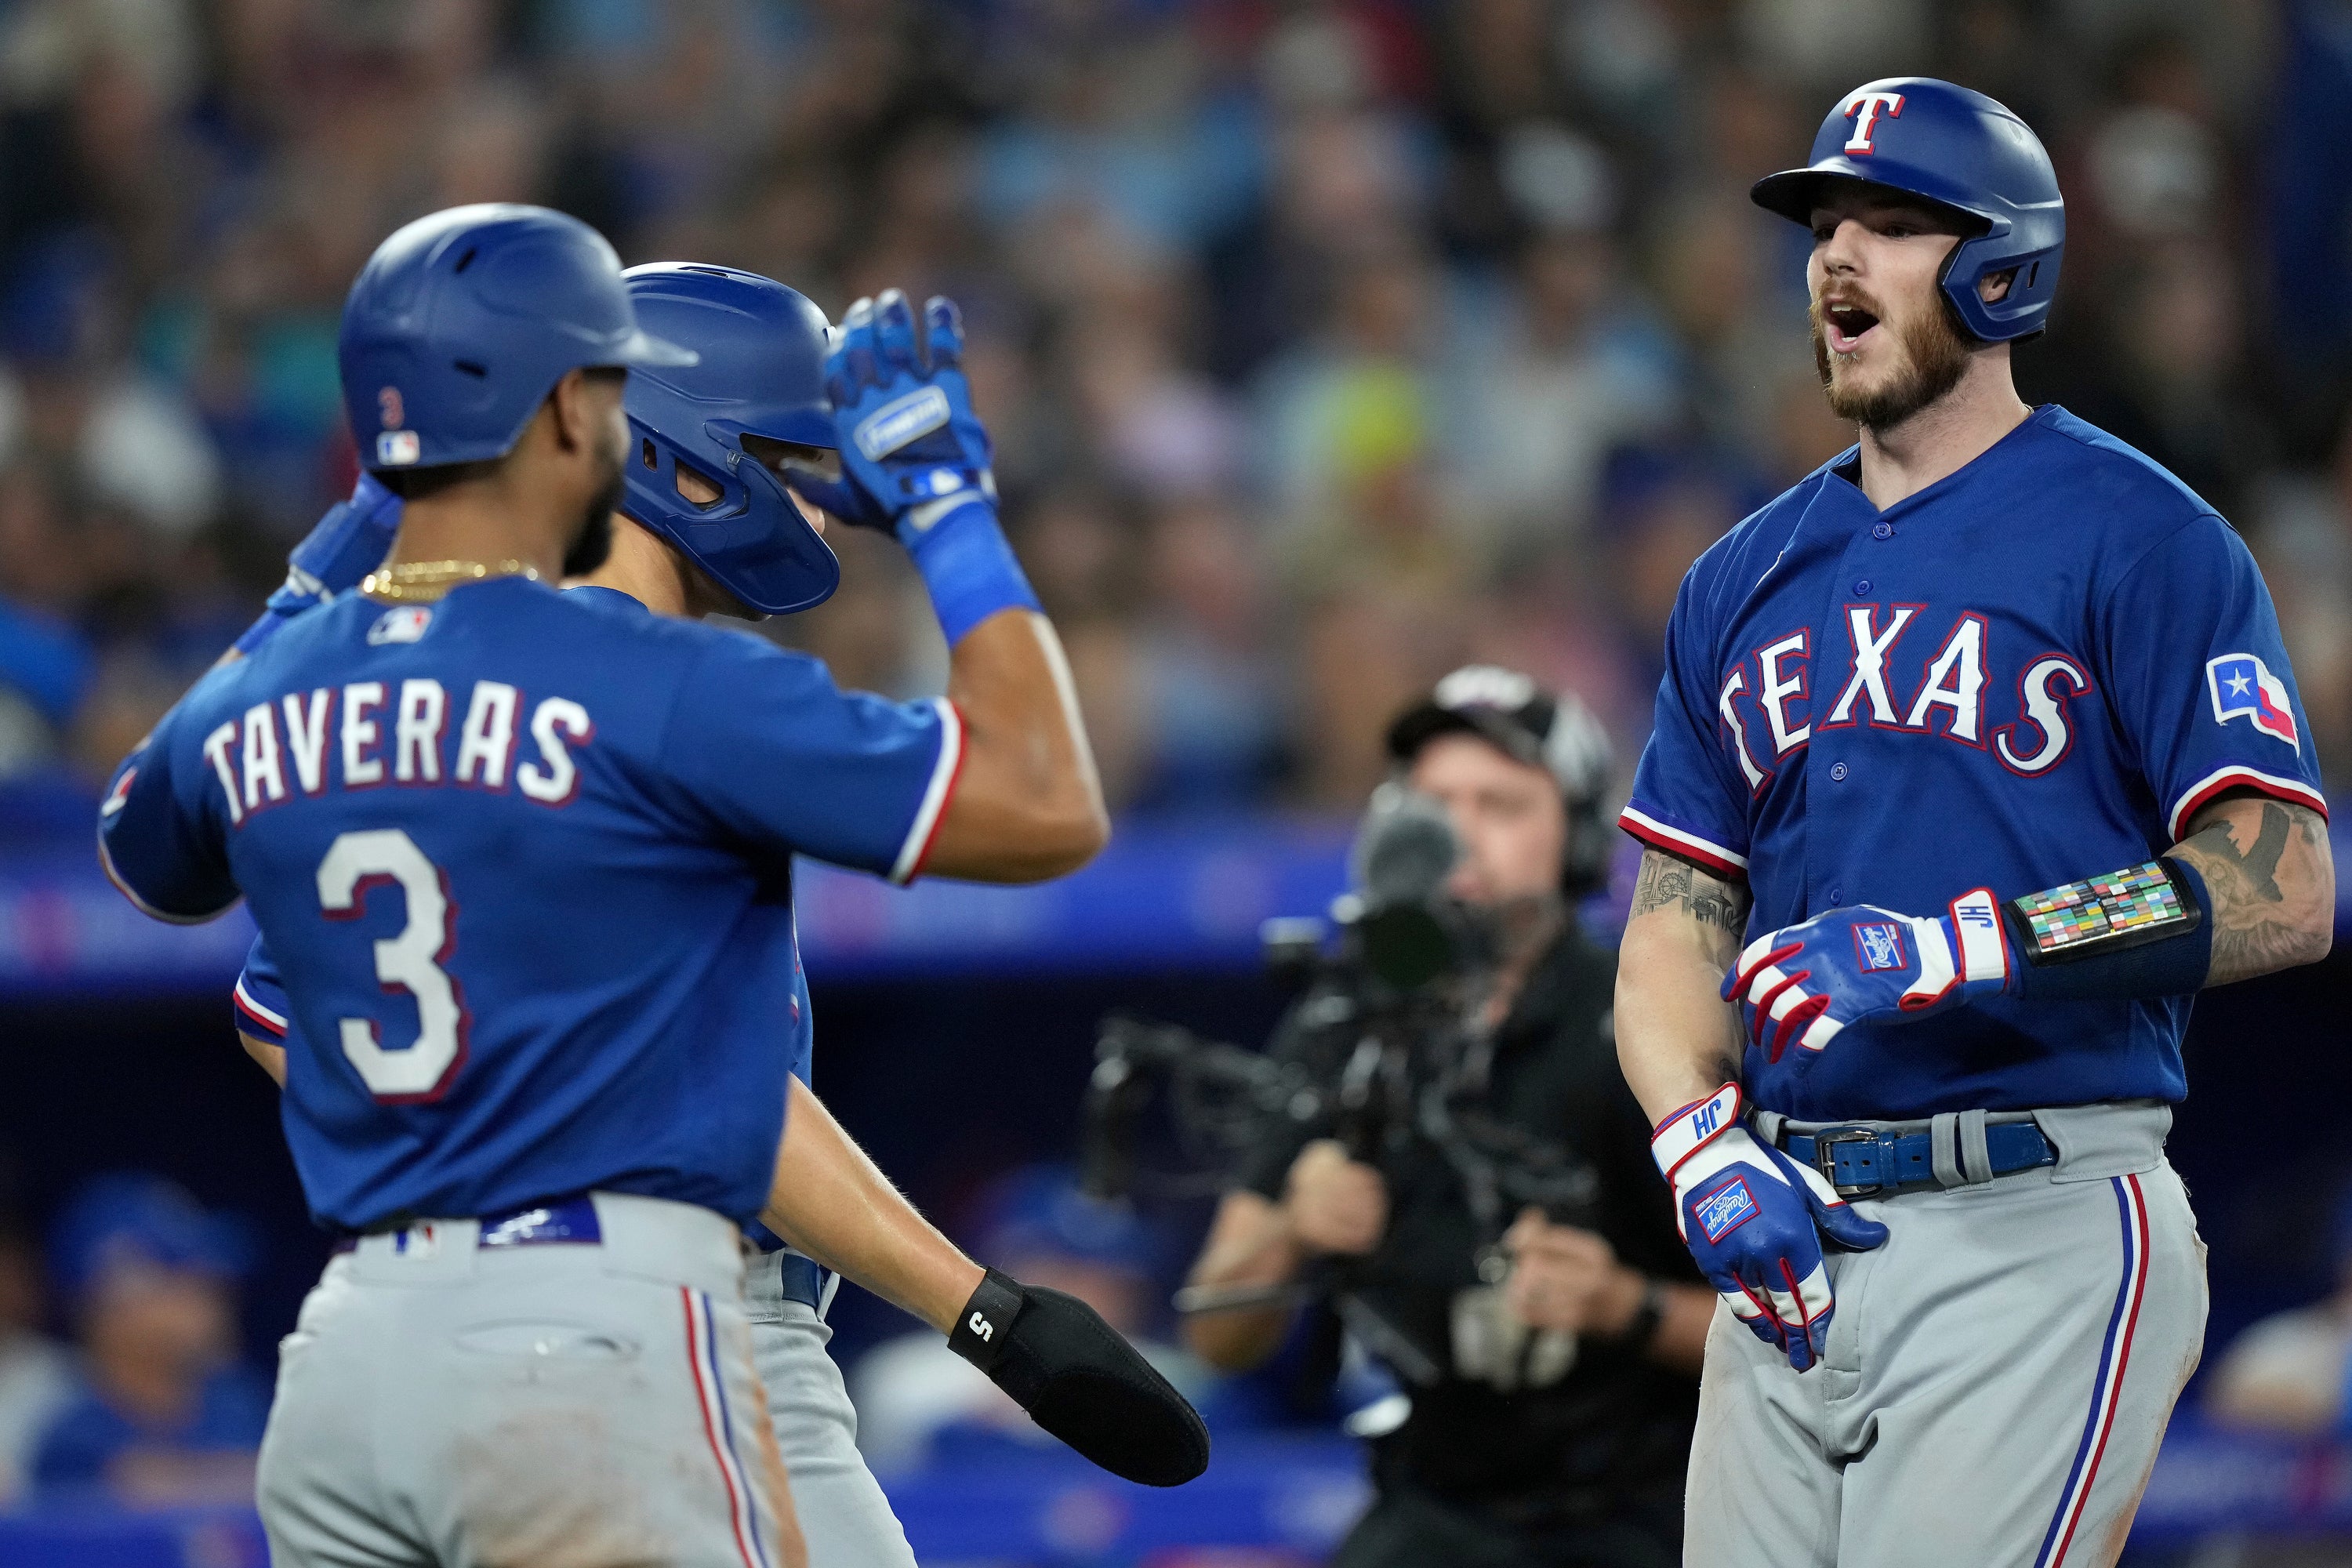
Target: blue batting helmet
{"points": [[133, 1218], [462, 322], [1960, 150], [761, 374]]}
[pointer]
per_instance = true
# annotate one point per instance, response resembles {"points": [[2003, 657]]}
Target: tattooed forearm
{"points": [[2271, 882], [1676, 1039], [1667, 883]]}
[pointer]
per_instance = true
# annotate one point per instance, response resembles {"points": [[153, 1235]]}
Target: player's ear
{"points": [[1994, 288], [580, 403]]}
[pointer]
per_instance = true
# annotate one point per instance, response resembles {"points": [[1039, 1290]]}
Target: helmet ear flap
{"points": [[2032, 285], [653, 496]]}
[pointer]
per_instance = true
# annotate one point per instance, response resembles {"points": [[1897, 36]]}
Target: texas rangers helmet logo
{"points": [[2243, 685], [1879, 946], [1864, 111]]}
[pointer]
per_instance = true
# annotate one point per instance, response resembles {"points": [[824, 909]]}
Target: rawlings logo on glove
{"points": [[1755, 1220], [1801, 985], [1724, 1210]]}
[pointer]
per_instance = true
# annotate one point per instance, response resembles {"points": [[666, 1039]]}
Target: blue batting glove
{"points": [[915, 458], [350, 541], [1755, 1222], [1801, 985], [912, 450]]}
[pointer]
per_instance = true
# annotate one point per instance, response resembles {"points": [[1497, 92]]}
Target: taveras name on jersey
{"points": [[254, 758], [524, 858]]}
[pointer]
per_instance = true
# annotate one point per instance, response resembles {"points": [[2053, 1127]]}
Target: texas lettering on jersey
{"points": [[1766, 701], [366, 734], [2039, 668]]}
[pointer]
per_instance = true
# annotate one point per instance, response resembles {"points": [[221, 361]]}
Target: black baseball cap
{"points": [[1515, 714]]}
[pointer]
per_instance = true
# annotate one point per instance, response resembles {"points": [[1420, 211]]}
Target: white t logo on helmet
{"points": [[1864, 111]]}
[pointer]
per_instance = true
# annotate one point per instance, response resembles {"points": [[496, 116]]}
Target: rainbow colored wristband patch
{"points": [[2122, 908]]}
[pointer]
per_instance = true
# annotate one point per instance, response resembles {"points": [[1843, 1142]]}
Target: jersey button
{"points": [[1837, 897], [1882, 531], [1837, 771], [1862, 588]]}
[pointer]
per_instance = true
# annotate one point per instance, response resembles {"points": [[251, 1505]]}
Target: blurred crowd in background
{"points": [[1328, 344]]}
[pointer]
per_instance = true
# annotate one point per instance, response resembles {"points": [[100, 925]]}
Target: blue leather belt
{"points": [[803, 1280], [1861, 1161], [560, 1222]]}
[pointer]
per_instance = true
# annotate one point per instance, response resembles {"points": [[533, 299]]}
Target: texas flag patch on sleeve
{"points": [[2243, 686]]}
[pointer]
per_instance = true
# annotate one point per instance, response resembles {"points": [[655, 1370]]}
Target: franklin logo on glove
{"points": [[910, 418]]}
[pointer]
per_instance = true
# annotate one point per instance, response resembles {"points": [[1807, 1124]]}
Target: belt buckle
{"points": [[1826, 1145]]}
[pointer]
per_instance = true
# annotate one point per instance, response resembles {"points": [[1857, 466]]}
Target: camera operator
{"points": [[1504, 1459]]}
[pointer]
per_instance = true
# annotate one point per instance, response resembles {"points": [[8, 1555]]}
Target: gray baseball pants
{"points": [[572, 1405], [1997, 1378], [844, 1515]]}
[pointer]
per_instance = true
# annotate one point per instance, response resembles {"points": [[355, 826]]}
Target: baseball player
{"points": [[762, 348], [1977, 756], [524, 859]]}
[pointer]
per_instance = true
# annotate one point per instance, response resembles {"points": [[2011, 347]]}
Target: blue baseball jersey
{"points": [[263, 1010], [524, 860], [2034, 670]]}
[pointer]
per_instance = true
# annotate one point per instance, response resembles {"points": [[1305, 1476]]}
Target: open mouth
{"points": [[1847, 325]]}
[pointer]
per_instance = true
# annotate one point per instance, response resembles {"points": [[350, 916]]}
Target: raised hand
{"points": [[912, 449]]}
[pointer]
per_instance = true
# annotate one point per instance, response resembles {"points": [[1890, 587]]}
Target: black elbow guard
{"points": [[1079, 1380]]}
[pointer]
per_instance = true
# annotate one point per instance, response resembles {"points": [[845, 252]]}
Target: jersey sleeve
{"points": [[2197, 677], [1687, 801], [259, 998], [157, 839], [765, 745]]}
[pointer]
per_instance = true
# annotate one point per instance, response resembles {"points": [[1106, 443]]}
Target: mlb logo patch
{"points": [[120, 796], [1725, 1210], [2243, 686], [418, 1242], [1879, 946], [397, 448], [402, 623]]}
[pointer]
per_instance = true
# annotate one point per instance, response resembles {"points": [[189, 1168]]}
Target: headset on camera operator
{"points": [[1554, 1412]]}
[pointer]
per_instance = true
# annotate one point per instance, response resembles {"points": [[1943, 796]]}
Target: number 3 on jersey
{"points": [[409, 961]]}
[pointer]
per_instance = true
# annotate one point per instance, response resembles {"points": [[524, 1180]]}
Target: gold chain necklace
{"points": [[414, 581]]}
